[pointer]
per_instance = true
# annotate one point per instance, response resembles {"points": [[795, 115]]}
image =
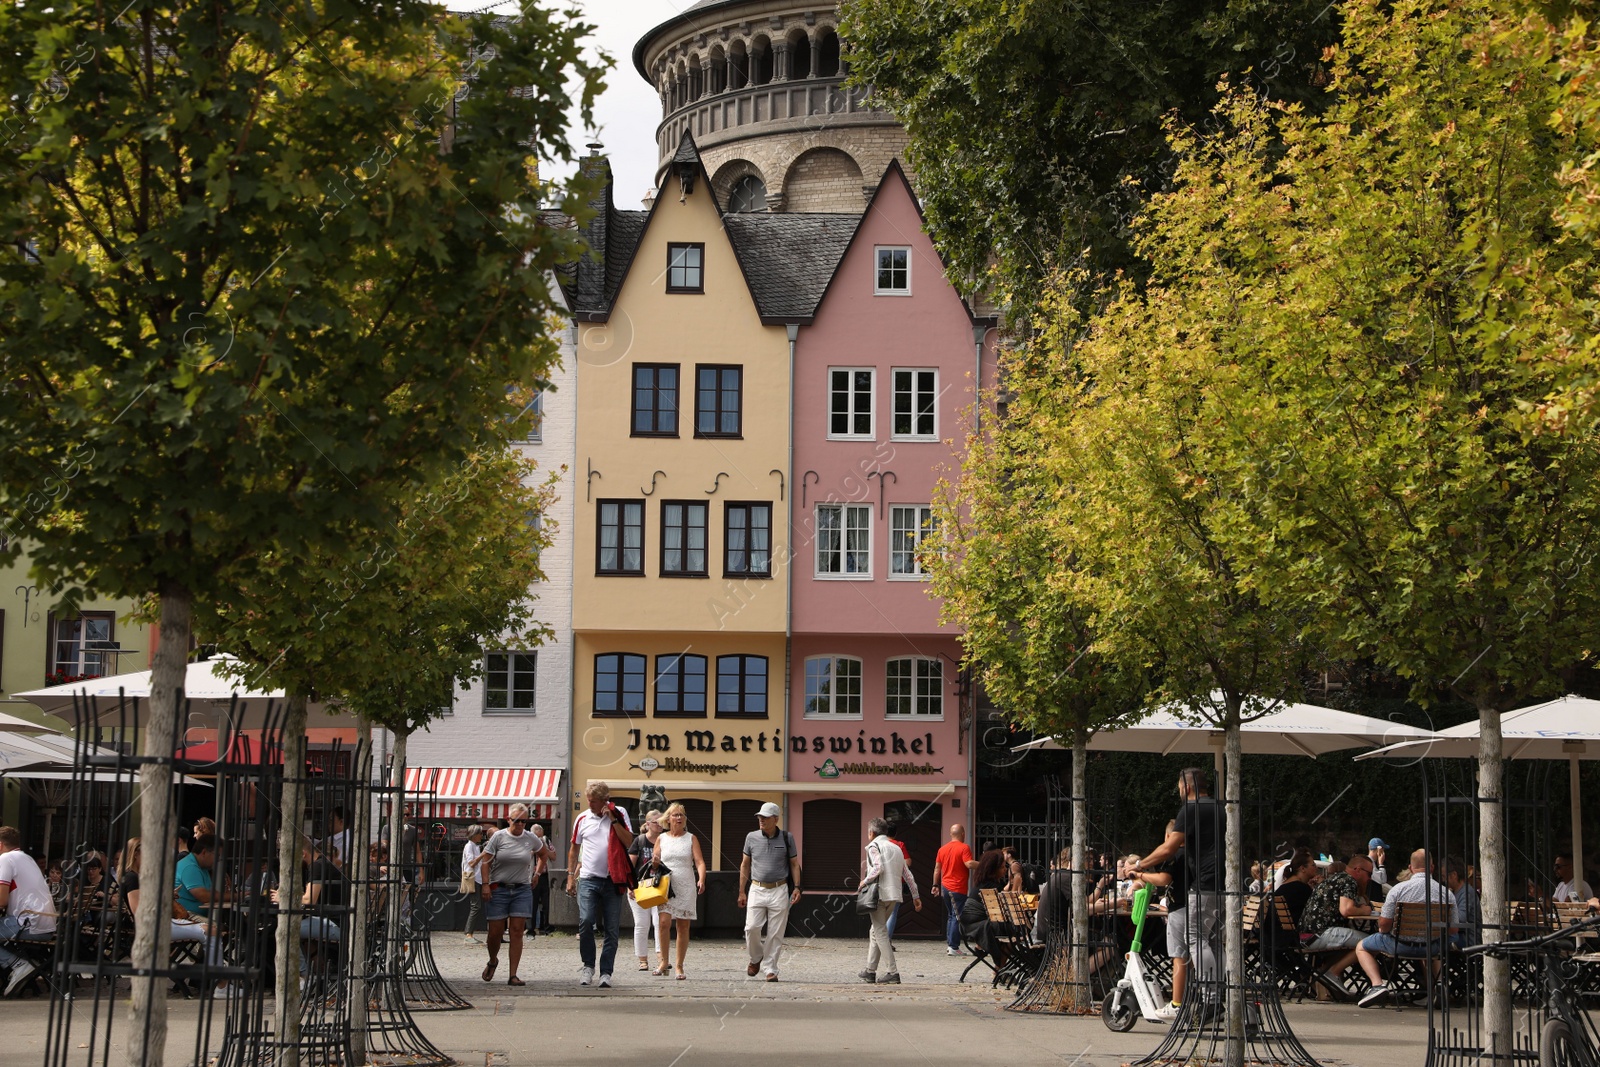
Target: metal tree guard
{"points": [[1199, 1034], [1453, 812]]}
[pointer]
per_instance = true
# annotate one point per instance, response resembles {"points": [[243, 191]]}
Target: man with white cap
{"points": [[769, 883]]}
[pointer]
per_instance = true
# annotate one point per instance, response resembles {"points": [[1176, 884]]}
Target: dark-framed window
{"points": [[683, 537], [718, 400], [619, 684], [681, 685], [509, 682], [619, 537], [747, 544], [655, 400], [742, 686], [686, 268]]}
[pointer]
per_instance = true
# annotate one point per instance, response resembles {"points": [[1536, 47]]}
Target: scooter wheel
{"points": [[1119, 1019]]}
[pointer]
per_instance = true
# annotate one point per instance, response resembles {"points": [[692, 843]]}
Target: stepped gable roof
{"points": [[788, 259]]}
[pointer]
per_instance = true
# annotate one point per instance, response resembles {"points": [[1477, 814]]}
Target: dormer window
{"points": [[893, 277], [685, 268]]}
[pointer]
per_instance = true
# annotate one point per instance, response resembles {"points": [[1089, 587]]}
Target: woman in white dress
{"points": [[679, 851], [643, 851]]}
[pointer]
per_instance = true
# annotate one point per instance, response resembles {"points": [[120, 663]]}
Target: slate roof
{"points": [[788, 259]]}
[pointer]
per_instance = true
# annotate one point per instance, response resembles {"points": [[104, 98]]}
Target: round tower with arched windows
{"points": [[760, 84]]}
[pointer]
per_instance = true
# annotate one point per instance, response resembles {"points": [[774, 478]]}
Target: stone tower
{"points": [[760, 84]]}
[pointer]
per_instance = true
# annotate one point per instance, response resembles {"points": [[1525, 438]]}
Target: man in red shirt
{"points": [[951, 868]]}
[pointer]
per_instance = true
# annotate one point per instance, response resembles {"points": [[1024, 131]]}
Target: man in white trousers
{"points": [[769, 882]]}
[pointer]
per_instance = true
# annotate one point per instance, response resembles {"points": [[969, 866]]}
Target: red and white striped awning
{"points": [[482, 792]]}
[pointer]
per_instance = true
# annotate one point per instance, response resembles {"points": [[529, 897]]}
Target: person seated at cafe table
{"points": [[185, 926], [1301, 875], [1468, 907], [1417, 889], [1336, 900]]}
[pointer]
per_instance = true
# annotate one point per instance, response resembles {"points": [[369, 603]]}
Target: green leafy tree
{"points": [[1025, 626], [458, 569], [266, 269], [1037, 129], [1148, 482], [1358, 298]]}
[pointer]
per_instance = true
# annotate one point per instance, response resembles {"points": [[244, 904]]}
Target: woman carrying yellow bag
{"points": [[643, 852]]}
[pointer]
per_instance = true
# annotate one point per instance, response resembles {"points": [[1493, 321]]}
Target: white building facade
{"points": [[508, 735]]}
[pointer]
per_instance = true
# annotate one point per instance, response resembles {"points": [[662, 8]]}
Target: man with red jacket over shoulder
{"points": [[589, 879]]}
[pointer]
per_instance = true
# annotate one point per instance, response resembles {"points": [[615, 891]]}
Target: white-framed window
{"points": [[908, 525], [833, 687], [534, 414], [77, 644], [509, 682], [844, 540], [893, 276], [915, 413], [850, 401], [915, 688]]}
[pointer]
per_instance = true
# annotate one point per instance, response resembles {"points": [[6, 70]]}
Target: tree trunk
{"points": [[360, 874], [152, 941], [1079, 973], [286, 1025], [1233, 903], [1492, 868], [398, 885]]}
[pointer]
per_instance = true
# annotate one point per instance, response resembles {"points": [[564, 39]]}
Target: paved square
{"points": [[818, 1014]]}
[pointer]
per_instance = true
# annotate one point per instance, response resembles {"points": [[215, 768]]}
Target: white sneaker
{"points": [[223, 992], [605, 981], [1167, 1013], [948, 951], [20, 974], [586, 976]]}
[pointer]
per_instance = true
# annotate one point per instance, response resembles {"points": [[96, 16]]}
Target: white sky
{"points": [[629, 110]]}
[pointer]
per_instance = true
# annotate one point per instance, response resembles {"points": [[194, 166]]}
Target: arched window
{"points": [[827, 54], [696, 79], [915, 688], [738, 66], [748, 194], [719, 71], [760, 61], [833, 686], [799, 55]]}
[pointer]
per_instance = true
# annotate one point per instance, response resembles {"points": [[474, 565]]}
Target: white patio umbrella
{"points": [[48, 757], [13, 724], [1291, 730], [1565, 728], [209, 690]]}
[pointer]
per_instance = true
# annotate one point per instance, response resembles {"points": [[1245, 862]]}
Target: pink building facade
{"points": [[879, 713]]}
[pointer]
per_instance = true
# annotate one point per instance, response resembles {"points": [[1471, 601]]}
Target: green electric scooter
{"points": [[1136, 993]]}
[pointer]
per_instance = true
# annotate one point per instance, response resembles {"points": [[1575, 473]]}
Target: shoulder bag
{"points": [[867, 895], [653, 890]]}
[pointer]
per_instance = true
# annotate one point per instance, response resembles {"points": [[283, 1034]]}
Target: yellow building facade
{"points": [[680, 594]]}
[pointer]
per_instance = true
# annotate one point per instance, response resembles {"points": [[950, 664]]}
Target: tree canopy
{"points": [[1038, 128]]}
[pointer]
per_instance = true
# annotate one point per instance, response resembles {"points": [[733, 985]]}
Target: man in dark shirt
{"points": [[1200, 832]]}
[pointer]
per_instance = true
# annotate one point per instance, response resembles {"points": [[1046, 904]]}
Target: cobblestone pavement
{"points": [[818, 1014]]}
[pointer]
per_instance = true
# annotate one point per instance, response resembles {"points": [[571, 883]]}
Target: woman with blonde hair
{"points": [[643, 852], [185, 927], [679, 852]]}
